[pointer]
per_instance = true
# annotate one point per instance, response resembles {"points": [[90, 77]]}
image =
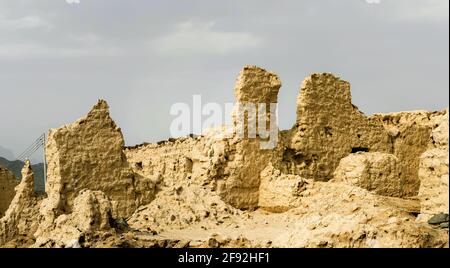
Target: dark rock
{"points": [[119, 224], [213, 243], [438, 219]]}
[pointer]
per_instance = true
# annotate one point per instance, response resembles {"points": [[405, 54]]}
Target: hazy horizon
{"points": [[57, 59]]}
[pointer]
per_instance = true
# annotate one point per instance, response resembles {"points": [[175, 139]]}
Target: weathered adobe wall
{"points": [[375, 172], [434, 173], [255, 86], [88, 154], [229, 166], [7, 184], [166, 162], [240, 176], [410, 134], [21, 219], [329, 127]]}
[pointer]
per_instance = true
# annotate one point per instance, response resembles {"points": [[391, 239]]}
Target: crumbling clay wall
{"points": [[329, 127], [433, 173], [231, 166], [246, 157], [167, 162], [195, 187], [375, 172], [7, 184], [88, 154], [21, 219], [410, 134]]}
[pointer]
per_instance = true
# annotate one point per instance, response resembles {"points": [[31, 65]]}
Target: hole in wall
{"points": [[189, 164], [139, 165], [328, 131], [359, 149]]}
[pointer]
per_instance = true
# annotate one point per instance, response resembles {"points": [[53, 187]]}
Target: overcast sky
{"points": [[57, 59]]}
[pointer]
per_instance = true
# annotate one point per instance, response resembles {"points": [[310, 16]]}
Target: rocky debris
{"points": [[7, 184], [438, 219], [328, 128], [375, 172], [341, 215], [331, 214], [21, 219], [279, 192], [92, 213], [433, 173], [220, 241], [181, 206]]}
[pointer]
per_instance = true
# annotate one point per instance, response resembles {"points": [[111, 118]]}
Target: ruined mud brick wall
{"points": [[219, 165], [21, 219], [167, 162], [230, 166], [410, 134], [328, 128], [255, 86], [434, 173], [375, 172], [88, 155], [7, 184], [240, 176]]}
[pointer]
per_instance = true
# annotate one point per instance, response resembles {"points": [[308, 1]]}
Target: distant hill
{"points": [[16, 167], [6, 153]]}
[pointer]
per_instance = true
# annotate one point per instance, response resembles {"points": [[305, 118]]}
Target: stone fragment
{"points": [[438, 219]]}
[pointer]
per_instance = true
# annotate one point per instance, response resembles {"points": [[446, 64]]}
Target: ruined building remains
{"points": [[337, 178]]}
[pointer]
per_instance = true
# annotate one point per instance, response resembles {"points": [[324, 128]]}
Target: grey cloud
{"points": [[137, 55]]}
